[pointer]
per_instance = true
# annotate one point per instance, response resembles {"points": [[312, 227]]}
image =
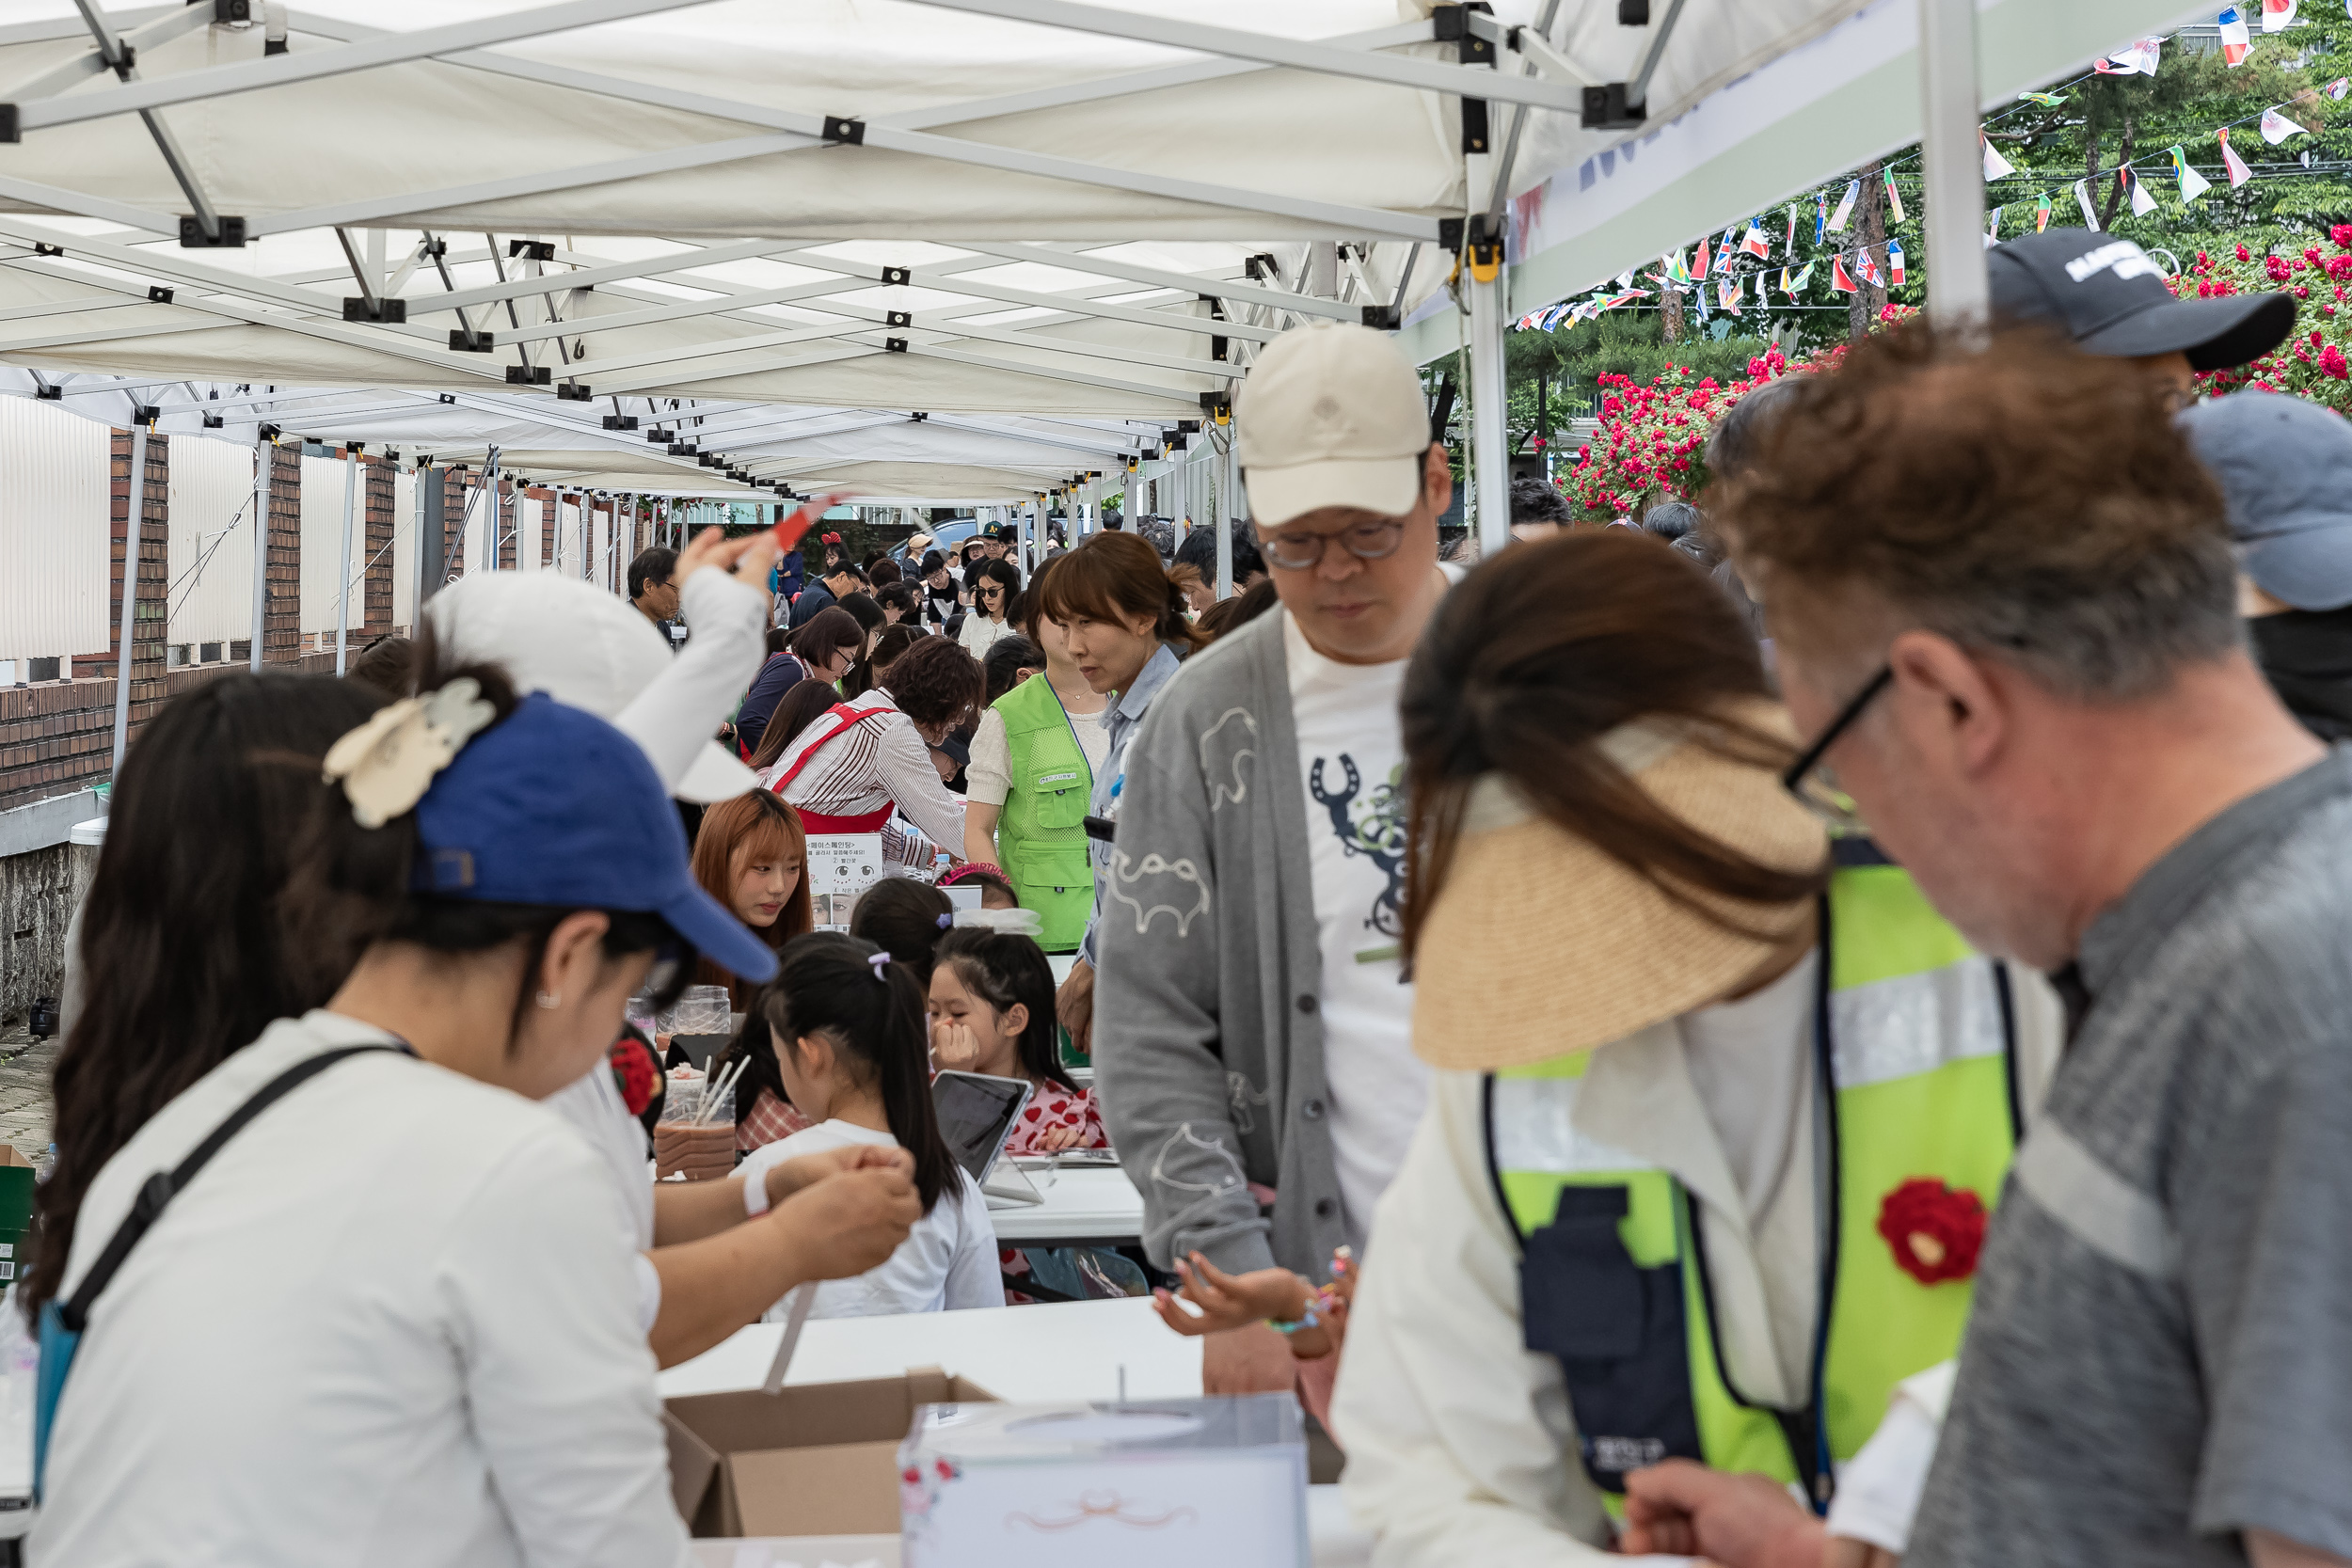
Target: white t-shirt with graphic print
{"points": [[1351, 767]]}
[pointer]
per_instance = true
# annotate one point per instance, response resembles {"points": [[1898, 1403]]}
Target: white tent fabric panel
{"points": [[55, 468], [600, 532], [530, 539], [566, 515], [323, 521], [212, 541], [481, 513], [405, 535], [1833, 102]]}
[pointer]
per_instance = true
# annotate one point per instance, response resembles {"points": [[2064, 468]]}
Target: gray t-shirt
{"points": [[2160, 1354]]}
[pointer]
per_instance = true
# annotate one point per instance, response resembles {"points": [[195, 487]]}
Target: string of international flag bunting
{"points": [[1723, 258]]}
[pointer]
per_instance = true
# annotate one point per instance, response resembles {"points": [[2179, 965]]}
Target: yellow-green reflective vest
{"points": [[1916, 1038], [1042, 838]]}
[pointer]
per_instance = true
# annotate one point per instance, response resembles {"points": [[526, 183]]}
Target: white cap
{"points": [[580, 646], [1331, 416]]}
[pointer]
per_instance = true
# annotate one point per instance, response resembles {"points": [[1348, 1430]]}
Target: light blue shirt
{"points": [[1111, 778]]}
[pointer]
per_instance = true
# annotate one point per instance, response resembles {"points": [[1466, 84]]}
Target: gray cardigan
{"points": [[1208, 1036]]}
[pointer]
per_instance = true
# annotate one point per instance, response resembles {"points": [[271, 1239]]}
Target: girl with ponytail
{"points": [[1127, 624], [851, 1038]]}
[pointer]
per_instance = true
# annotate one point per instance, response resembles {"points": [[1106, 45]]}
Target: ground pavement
{"points": [[25, 1111]]}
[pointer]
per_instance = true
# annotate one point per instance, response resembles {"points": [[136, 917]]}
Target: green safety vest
{"points": [[1041, 837], [1917, 1039]]}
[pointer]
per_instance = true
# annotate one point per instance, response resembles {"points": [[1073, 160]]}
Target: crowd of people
{"points": [[1806, 1030]]}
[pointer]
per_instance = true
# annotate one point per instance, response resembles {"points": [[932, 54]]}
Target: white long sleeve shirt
{"points": [[673, 719], [868, 767], [392, 1320]]}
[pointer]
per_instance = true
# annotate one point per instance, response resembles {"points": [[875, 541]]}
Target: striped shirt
{"points": [[875, 763]]}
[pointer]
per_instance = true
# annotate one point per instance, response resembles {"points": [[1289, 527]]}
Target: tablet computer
{"points": [[975, 1116]]}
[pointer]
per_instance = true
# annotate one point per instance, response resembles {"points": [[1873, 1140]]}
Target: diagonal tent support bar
{"points": [[58, 78], [80, 205], [1239, 294], [1296, 54], [311, 65]]}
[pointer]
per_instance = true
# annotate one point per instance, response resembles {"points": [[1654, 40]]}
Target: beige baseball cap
{"points": [[1332, 414]]}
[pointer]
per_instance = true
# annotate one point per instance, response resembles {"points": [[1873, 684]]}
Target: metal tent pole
{"points": [[1949, 161], [585, 512], [1490, 465], [343, 581], [130, 594], [1228, 514], [262, 450]]}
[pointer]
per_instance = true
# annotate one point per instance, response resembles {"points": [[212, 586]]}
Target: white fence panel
{"points": [[212, 542], [529, 524], [53, 477], [405, 533], [566, 538], [323, 519]]}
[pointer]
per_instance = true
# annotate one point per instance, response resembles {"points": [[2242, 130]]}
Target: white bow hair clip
{"points": [[1013, 922], [387, 764]]}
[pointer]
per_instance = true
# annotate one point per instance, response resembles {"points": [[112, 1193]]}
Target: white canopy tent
{"points": [[1050, 208]]}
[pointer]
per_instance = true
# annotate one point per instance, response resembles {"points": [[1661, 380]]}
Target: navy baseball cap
{"points": [[2286, 467], [2110, 297], [553, 806]]}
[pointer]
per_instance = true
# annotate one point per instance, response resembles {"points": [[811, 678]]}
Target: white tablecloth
{"points": [[1082, 1203]]}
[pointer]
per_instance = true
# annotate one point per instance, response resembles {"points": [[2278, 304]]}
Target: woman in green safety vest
{"points": [[1720, 1104], [1032, 772]]}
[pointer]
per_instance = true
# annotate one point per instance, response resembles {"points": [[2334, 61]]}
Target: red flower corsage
{"points": [[633, 1073], [1935, 1230]]}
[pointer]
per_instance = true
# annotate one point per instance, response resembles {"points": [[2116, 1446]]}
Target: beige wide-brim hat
{"points": [[1539, 944]]}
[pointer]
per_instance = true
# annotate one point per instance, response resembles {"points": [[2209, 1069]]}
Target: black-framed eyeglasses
{"points": [[991, 588], [1299, 552], [1814, 783]]}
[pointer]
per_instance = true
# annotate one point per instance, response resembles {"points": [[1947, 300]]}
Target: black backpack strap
{"points": [[160, 1188]]}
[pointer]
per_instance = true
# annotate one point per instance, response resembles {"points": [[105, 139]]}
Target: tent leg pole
{"points": [[261, 460], [1490, 465], [1953, 168], [130, 595], [1228, 515], [343, 581]]}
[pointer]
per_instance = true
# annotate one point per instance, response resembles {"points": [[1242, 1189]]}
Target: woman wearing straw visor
{"points": [[1720, 1104]]}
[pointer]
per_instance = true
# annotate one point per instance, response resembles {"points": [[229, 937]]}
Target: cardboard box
{"points": [[1171, 1483], [815, 1459]]}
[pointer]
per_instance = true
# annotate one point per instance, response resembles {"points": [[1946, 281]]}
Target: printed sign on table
{"points": [[841, 866]]}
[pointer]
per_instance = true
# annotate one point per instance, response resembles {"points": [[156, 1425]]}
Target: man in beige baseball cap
{"points": [[1261, 1037]]}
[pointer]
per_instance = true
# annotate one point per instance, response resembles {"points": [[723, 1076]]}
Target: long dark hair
{"points": [[873, 1014], [1537, 655], [225, 898], [1115, 577], [906, 918], [1006, 970], [889, 643], [802, 704]]}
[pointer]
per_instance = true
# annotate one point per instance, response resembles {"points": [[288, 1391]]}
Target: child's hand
{"points": [[1056, 1139], [954, 1047], [1232, 1301]]}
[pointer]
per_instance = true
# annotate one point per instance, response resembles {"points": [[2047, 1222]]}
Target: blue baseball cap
{"points": [[2286, 467], [553, 806]]}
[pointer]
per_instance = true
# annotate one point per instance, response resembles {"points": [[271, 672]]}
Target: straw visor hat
{"points": [[1540, 944]]}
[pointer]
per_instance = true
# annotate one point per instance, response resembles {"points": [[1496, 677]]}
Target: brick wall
{"points": [[506, 526], [282, 613], [377, 587]]}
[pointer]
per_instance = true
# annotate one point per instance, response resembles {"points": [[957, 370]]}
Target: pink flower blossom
{"points": [[2332, 363]]}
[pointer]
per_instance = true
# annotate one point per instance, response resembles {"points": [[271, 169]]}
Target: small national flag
{"points": [[1755, 243], [1789, 249], [1820, 208], [1895, 262], [1700, 295], [2193, 184], [1837, 276], [2082, 199], [2047, 99], [2142, 203], [1698, 263], [1845, 207], [2239, 173], [2277, 127], [1728, 295], [1995, 167], [2041, 212], [1894, 197], [1992, 229], [2276, 14], [1870, 268], [2235, 43], [2337, 88], [1804, 276], [1783, 283]]}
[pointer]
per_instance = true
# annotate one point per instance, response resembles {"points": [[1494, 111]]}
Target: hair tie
{"points": [[387, 764], [946, 920], [882, 965]]}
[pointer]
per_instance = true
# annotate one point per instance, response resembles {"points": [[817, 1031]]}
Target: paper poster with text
{"points": [[841, 866]]}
